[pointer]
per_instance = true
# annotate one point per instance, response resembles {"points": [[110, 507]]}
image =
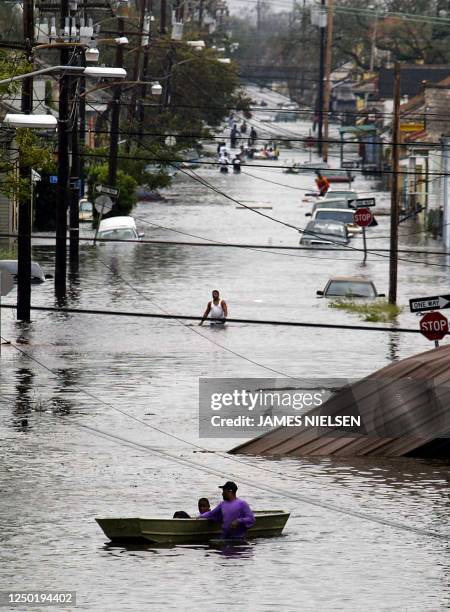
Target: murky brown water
{"points": [[56, 477]]}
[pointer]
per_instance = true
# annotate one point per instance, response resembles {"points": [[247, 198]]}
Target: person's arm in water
{"points": [[206, 313], [224, 308], [213, 515], [247, 518]]}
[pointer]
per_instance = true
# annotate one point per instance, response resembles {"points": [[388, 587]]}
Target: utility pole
{"points": [[321, 83], [115, 115], [25, 203], [74, 230], [63, 168], [393, 254], [444, 183], [143, 89], [163, 17], [327, 92], [137, 62]]}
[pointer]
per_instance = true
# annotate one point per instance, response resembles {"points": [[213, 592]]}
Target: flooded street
{"points": [[75, 376]]}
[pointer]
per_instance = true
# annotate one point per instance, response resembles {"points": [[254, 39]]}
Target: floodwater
{"points": [[137, 379]]}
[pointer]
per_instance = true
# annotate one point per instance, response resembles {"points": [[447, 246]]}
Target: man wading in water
{"points": [[217, 308]]}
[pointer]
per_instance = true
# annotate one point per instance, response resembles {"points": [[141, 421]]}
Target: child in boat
{"points": [[181, 514], [203, 505]]}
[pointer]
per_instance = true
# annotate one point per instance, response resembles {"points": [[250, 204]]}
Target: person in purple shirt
{"points": [[234, 514]]}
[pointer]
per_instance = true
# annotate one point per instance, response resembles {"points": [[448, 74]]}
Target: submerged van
{"points": [[118, 228]]}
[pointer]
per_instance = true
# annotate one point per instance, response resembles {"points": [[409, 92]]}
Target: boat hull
{"points": [[184, 531]]}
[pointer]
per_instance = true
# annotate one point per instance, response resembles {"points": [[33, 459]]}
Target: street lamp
{"points": [[30, 121], [156, 89], [103, 72]]}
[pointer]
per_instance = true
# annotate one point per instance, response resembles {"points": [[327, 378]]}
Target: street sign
{"points": [[350, 163], [103, 204], [434, 326], [111, 191], [364, 202], [363, 217], [53, 179], [6, 282], [435, 302], [75, 183]]}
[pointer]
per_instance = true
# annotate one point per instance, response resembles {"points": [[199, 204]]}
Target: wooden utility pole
{"points": [[25, 203], [63, 169], [163, 17], [137, 63], [115, 114], [327, 88], [393, 254], [321, 84]]}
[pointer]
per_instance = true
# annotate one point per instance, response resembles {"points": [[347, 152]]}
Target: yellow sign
{"points": [[412, 127]]}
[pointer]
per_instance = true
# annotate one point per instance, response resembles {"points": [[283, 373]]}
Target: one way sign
{"points": [[436, 302]]}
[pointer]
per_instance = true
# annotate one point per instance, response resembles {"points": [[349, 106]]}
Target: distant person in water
{"points": [[232, 513], [217, 309], [203, 505]]}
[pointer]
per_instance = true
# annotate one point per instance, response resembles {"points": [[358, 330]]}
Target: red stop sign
{"points": [[434, 326], [363, 217]]}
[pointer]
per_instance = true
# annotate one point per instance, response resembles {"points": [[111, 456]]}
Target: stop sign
{"points": [[363, 217], [434, 326]]}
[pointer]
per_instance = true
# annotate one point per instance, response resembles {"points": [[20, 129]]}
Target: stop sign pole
{"points": [[363, 218]]}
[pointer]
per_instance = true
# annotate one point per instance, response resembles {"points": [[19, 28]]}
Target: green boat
{"points": [[268, 523]]}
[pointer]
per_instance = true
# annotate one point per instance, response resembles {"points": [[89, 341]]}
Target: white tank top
{"points": [[216, 310]]}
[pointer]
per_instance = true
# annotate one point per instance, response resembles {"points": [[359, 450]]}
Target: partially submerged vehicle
{"points": [[118, 228], [268, 523], [37, 274], [85, 210], [338, 214], [329, 233], [319, 204], [350, 287]]}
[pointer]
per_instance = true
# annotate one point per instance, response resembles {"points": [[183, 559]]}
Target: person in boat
{"points": [[322, 183], [203, 505], [243, 127], [223, 164], [234, 514], [181, 514], [217, 308], [236, 164]]}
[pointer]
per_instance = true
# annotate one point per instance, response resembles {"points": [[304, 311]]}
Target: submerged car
{"points": [[338, 214], [328, 204], [118, 228], [37, 274], [334, 194], [325, 232], [350, 286], [85, 210]]}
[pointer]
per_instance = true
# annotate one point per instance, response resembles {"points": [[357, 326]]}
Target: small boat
{"points": [[268, 523]]}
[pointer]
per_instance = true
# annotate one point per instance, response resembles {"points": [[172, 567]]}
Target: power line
{"points": [[240, 321]]}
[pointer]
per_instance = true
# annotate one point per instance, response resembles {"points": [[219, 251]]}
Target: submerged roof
{"points": [[404, 409]]}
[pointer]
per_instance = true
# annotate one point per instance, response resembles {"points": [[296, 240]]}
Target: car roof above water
{"points": [[117, 223], [10, 265]]}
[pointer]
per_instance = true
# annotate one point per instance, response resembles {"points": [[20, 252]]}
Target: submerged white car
{"points": [[118, 228]]}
